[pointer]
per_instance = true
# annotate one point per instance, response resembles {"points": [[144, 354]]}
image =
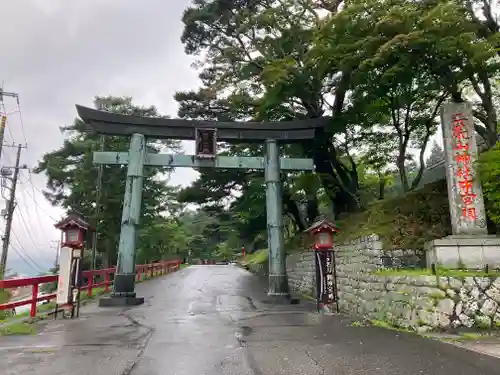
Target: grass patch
{"points": [[473, 336], [464, 336], [380, 324], [386, 325], [293, 244], [42, 310], [307, 297], [257, 257], [357, 323], [4, 296], [404, 222], [439, 272], [184, 265], [21, 328]]}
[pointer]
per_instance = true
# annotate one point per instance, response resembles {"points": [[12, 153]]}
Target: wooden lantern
{"points": [[322, 233], [74, 229]]}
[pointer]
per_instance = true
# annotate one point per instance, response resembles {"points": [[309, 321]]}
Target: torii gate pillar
{"points": [[124, 283], [278, 283]]}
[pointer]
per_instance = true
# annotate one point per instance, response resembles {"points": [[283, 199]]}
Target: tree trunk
{"points": [[381, 187], [291, 207]]}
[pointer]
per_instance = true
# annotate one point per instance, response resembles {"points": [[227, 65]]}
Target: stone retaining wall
{"points": [[301, 273], [422, 303]]}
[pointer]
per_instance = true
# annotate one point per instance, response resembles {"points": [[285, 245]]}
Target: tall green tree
{"points": [[379, 68], [71, 177], [258, 66]]}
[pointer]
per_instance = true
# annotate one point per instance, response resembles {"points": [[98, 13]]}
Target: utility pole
{"points": [[10, 207], [98, 206], [102, 105], [3, 120]]}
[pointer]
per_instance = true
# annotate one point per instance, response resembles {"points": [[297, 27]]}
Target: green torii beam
{"points": [[190, 161]]}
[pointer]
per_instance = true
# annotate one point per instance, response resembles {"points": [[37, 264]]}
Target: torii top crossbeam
{"points": [[109, 123]]}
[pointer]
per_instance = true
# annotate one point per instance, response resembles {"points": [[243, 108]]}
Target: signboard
{"points": [[206, 143], [64, 280], [464, 188], [325, 277]]}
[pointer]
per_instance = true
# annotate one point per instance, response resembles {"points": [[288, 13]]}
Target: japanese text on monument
{"points": [[463, 165], [465, 194]]}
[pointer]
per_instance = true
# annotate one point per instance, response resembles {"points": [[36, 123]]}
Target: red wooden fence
{"points": [[148, 270]]}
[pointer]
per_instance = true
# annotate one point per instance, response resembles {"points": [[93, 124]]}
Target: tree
{"points": [[379, 68], [71, 178], [164, 238], [258, 67], [489, 169], [436, 156], [51, 287]]}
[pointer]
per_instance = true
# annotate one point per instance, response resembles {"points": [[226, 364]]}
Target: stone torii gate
{"points": [[206, 134]]}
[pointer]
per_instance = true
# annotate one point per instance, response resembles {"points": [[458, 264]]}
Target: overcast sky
{"points": [[57, 53]]}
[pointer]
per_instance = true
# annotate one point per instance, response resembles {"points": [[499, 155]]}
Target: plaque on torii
{"points": [[206, 143]]}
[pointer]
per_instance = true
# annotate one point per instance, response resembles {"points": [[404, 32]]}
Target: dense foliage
{"points": [[489, 167], [165, 231], [379, 69]]}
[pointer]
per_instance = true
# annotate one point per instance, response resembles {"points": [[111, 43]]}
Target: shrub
{"points": [[489, 169]]}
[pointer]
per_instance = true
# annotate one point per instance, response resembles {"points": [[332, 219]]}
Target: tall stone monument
{"points": [[469, 246]]}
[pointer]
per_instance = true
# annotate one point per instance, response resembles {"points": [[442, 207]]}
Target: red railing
{"points": [[146, 270]]}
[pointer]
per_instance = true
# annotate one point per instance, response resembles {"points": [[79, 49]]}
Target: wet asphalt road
{"points": [[213, 320]]}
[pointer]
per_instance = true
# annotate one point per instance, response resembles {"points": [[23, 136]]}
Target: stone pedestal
{"points": [[462, 251]]}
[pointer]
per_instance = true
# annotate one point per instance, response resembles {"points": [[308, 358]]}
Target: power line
{"points": [[25, 222], [12, 202], [37, 211], [24, 252], [21, 120], [35, 267], [36, 203], [26, 227]]}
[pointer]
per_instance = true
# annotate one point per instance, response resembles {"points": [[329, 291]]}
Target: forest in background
{"points": [[380, 69]]}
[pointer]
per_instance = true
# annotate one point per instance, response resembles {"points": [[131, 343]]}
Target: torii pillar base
{"points": [[120, 301]]}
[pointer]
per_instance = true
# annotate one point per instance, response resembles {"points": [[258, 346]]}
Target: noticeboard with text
{"points": [[206, 143], [64, 279], [325, 277]]}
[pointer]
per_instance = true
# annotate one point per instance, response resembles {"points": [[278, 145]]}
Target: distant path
{"points": [[22, 293]]}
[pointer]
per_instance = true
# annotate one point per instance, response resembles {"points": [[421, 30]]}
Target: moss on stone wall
{"points": [[405, 222]]}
